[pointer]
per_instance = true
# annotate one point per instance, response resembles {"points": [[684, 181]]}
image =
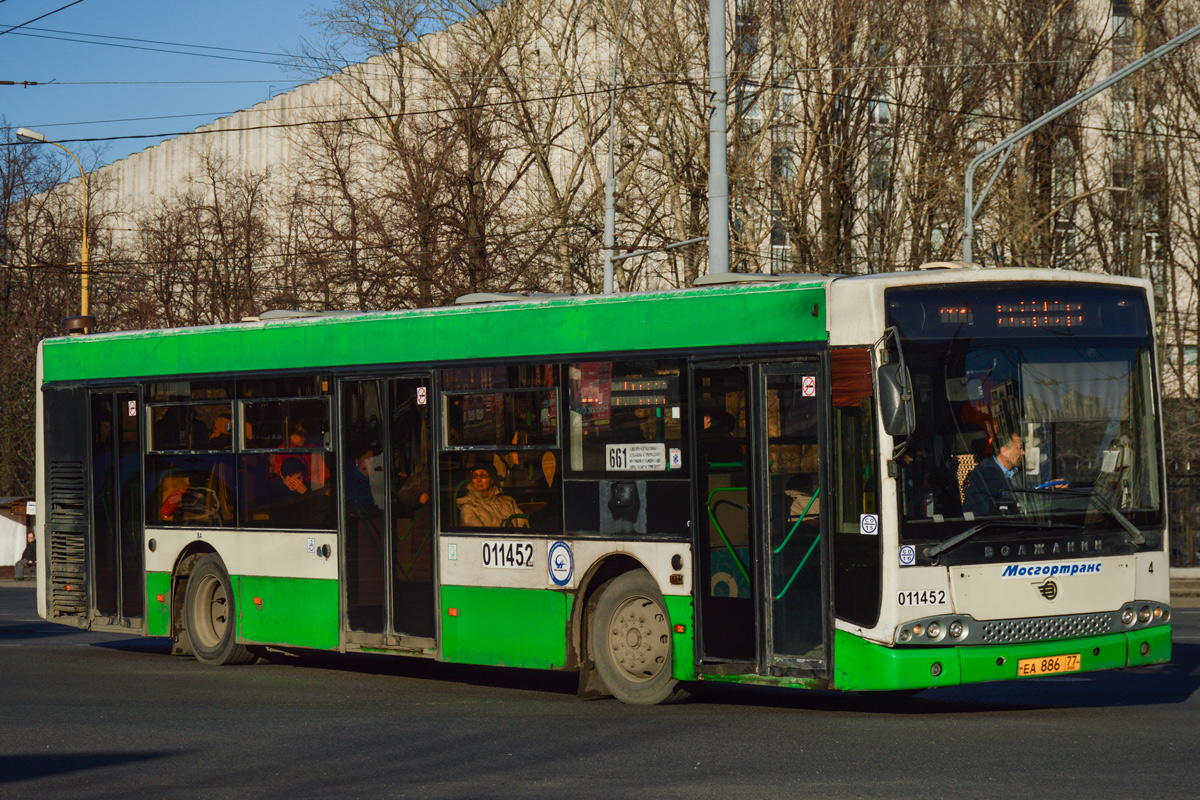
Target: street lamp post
{"points": [[718, 176], [26, 135], [610, 174]]}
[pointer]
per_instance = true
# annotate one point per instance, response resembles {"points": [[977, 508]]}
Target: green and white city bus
{"points": [[772, 482]]}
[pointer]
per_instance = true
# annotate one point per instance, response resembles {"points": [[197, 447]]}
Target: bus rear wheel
{"points": [[210, 615], [631, 641]]}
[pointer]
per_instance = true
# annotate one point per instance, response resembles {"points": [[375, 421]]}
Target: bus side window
{"points": [[189, 466], [501, 464], [635, 405], [285, 480], [628, 470]]}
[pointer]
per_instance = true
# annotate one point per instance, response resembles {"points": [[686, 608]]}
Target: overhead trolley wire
{"points": [[43, 16], [156, 41], [154, 49]]}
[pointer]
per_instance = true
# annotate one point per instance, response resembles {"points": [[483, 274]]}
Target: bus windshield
{"points": [[1035, 418]]}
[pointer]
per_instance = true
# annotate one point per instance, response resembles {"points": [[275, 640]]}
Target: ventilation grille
{"points": [[67, 494], [1044, 628], [67, 530]]}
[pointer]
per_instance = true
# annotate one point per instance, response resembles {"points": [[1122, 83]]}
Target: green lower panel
{"points": [[1158, 646], [860, 665], [683, 645], [505, 627], [300, 612], [158, 612]]}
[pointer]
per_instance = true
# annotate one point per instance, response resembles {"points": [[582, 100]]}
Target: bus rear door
{"points": [[117, 558]]}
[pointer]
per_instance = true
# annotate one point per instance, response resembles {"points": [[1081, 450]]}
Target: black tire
{"points": [[211, 617], [630, 641]]}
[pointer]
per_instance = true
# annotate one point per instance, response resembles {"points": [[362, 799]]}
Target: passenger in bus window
{"points": [[801, 491], [174, 487], [315, 471], [360, 498], [301, 505], [485, 506], [221, 437], [717, 439]]}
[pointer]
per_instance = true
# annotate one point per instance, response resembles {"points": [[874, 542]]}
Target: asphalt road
{"points": [[86, 715]]}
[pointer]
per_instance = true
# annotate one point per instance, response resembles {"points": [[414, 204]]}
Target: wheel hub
{"points": [[640, 638]]}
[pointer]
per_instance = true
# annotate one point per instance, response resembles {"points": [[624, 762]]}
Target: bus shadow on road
{"points": [[138, 644], [14, 768], [1171, 683], [534, 680]]}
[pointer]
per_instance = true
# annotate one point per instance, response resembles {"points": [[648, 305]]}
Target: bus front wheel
{"points": [[631, 641], [209, 611]]}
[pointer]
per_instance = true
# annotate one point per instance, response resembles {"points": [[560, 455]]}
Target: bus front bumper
{"points": [[860, 665]]}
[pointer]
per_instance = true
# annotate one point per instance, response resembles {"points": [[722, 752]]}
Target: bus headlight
{"points": [[935, 630], [1127, 616], [1144, 614], [956, 629]]}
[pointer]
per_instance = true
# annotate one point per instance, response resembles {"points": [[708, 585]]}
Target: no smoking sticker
{"points": [[808, 386]]}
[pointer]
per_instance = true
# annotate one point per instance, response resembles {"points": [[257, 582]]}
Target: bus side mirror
{"points": [[896, 400]]}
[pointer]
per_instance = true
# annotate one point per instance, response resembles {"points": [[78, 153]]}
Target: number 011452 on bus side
{"points": [[1049, 665]]}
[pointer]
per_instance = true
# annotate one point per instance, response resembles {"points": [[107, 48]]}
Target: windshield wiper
{"points": [[1131, 531], [938, 549]]}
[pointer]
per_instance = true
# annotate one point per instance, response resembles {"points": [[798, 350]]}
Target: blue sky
{"points": [[101, 90]]}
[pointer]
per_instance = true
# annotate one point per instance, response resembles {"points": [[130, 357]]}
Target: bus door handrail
{"points": [[425, 540], [708, 506], [803, 514], [788, 538], [799, 567]]}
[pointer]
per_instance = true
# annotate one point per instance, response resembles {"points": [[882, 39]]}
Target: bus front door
{"points": [[760, 561], [117, 559], [387, 530], [789, 438]]}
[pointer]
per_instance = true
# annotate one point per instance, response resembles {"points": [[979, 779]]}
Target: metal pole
{"points": [[718, 175], [610, 175], [970, 208]]}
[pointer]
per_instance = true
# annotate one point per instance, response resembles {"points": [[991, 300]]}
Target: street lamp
{"points": [[33, 137]]}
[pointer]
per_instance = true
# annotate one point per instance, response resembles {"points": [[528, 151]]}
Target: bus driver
{"points": [[990, 484]]}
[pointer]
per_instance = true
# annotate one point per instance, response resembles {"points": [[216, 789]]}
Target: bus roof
{"points": [[792, 309], [729, 315]]}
